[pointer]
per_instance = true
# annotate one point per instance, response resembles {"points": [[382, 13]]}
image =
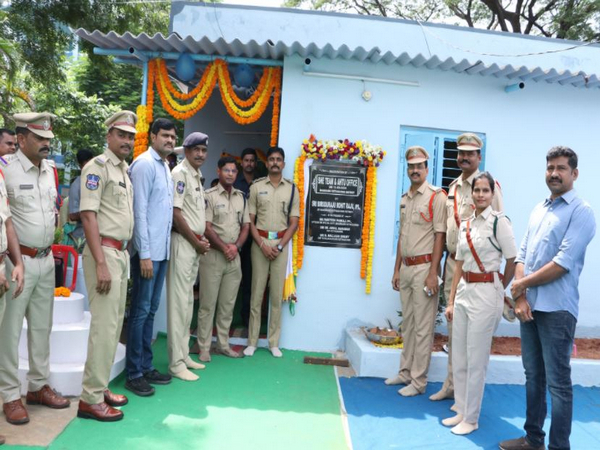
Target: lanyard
{"points": [[472, 248]]}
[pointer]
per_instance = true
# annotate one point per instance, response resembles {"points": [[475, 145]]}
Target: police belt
{"points": [[35, 252], [113, 243], [198, 236], [416, 260], [270, 235], [472, 277]]}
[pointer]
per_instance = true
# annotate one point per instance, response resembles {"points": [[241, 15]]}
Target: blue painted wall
{"points": [[519, 129]]}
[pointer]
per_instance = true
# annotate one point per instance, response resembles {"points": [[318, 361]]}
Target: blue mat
{"points": [[379, 418]]}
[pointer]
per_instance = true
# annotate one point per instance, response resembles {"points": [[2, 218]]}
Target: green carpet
{"points": [[258, 403]]}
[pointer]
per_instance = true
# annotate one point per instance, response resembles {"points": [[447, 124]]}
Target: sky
{"points": [[271, 3]]}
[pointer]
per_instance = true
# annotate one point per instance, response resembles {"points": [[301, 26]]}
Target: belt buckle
{"points": [[43, 253], [272, 235], [124, 245]]}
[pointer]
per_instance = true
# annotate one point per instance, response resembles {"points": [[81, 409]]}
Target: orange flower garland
{"points": [[145, 115], [298, 240], [364, 249], [62, 292], [216, 71]]}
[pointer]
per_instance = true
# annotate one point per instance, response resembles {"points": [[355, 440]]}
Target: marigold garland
{"points": [[183, 106], [298, 239], [363, 153], [62, 292]]}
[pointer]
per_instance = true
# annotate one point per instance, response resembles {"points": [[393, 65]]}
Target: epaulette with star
{"points": [[258, 179]]}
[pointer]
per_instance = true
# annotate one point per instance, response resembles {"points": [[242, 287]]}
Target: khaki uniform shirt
{"points": [[271, 204], [461, 190], [227, 212], [32, 197], [189, 195], [107, 190], [4, 214], [485, 243], [417, 227]]}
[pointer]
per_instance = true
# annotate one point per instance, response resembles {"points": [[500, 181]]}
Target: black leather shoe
{"points": [[139, 386], [155, 377]]}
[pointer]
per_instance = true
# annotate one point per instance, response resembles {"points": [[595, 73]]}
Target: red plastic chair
{"points": [[63, 252]]}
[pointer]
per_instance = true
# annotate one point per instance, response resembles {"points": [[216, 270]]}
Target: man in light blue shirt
{"points": [[547, 300], [153, 216]]}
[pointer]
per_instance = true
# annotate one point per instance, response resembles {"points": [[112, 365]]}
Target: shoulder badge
{"points": [[209, 190], [258, 179], [405, 194], [453, 182], [180, 187], [92, 181], [50, 163], [438, 190], [100, 160], [288, 180], [6, 160]]}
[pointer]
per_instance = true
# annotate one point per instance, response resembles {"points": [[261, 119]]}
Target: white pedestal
{"points": [[371, 361], [68, 347]]}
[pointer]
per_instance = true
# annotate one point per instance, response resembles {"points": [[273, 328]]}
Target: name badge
{"points": [[402, 206], [263, 193], [26, 186], [219, 206], [122, 184]]}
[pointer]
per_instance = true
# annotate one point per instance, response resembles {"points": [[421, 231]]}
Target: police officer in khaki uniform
{"points": [[9, 243], [460, 206], [227, 225], [187, 245], [274, 211], [106, 210], [476, 307], [420, 248], [31, 189]]}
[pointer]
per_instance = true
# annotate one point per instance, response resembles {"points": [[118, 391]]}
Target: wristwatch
{"points": [[279, 247]]}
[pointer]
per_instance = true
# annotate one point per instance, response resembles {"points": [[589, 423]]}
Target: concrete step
{"points": [[371, 361], [68, 341], [66, 378], [68, 309]]}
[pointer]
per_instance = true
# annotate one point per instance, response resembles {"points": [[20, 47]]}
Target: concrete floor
{"points": [[43, 427]]}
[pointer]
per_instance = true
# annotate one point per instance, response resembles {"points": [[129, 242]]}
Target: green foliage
{"points": [[41, 27], [80, 117], [565, 19]]}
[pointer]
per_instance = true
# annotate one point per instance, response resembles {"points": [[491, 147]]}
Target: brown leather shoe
{"points": [[102, 412], [15, 412], [113, 399], [48, 397]]}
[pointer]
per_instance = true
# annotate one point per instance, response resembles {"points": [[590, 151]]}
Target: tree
{"points": [[564, 19], [42, 28]]}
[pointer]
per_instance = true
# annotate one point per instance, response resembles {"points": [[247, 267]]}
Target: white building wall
{"points": [[520, 128]]}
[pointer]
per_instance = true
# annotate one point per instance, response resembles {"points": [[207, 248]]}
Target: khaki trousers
{"points": [[477, 313], [261, 269], [35, 303], [7, 274], [107, 321], [182, 272], [220, 280], [448, 276], [418, 321]]}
